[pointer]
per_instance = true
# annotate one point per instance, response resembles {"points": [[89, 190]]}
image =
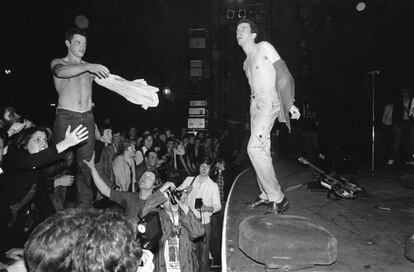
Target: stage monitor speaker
{"points": [[263, 14], [230, 14], [242, 13], [252, 14]]}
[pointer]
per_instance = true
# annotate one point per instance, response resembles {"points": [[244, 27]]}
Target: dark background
{"points": [[328, 45]]}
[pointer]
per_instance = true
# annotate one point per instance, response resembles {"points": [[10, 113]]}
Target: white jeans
{"points": [[263, 113]]}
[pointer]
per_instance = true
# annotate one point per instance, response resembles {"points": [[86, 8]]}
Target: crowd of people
{"points": [[180, 176], [63, 188], [132, 174]]}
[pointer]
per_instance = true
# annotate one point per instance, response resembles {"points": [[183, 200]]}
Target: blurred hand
{"points": [[91, 163], [28, 124], [65, 180], [15, 253], [294, 111], [16, 128], [166, 186], [17, 266], [205, 208]]}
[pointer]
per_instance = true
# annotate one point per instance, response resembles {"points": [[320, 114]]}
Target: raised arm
{"points": [[100, 184], [63, 69]]}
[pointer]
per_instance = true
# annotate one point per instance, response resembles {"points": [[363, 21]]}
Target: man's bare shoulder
{"points": [[266, 45], [269, 51], [58, 61]]}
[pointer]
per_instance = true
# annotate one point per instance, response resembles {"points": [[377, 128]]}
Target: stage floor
{"points": [[369, 239]]}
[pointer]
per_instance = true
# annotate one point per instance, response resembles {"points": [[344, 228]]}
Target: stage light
{"points": [[252, 14], [262, 14], [7, 71], [166, 91], [81, 21], [230, 14], [360, 6], [242, 13]]}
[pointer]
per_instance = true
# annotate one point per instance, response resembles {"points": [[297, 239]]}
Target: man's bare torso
{"points": [[74, 93], [260, 73]]}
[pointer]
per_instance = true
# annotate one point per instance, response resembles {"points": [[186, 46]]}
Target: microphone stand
{"points": [[373, 122]]}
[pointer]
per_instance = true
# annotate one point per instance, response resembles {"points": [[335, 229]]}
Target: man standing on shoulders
{"points": [[272, 96], [73, 82]]}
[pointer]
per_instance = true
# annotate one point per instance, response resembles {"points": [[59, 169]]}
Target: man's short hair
{"points": [[50, 245], [253, 26], [111, 245], [103, 128], [71, 32], [147, 153], [126, 144]]}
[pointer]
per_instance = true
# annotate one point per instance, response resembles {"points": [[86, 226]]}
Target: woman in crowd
{"points": [[23, 167]]}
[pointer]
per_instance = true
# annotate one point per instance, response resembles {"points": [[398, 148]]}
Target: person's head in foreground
{"points": [[84, 240]]}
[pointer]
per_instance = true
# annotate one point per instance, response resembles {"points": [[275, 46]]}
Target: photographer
{"points": [[179, 227], [204, 200]]}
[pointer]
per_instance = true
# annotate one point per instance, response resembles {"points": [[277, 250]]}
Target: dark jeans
{"points": [[403, 142], [216, 232], [203, 249], [82, 151]]}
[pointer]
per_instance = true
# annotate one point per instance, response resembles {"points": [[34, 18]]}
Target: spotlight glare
{"points": [[361, 6]]}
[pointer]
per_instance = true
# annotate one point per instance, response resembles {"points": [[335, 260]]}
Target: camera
{"points": [[149, 230], [175, 194]]}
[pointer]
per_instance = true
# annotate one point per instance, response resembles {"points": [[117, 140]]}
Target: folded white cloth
{"points": [[136, 91]]}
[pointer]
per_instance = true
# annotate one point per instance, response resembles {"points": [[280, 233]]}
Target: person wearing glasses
{"points": [[24, 168]]}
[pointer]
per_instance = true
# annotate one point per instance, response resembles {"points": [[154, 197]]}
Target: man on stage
{"points": [[272, 96], [73, 82]]}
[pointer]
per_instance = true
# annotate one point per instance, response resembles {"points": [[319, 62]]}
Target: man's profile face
{"points": [[243, 34], [77, 45]]}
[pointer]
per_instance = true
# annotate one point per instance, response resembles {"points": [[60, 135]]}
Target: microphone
{"points": [[375, 72]]}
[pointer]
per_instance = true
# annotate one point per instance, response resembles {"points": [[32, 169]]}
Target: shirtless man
{"points": [[73, 82], [272, 96]]}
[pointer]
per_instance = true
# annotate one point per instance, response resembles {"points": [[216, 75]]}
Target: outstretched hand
{"points": [[79, 134], [91, 163], [294, 111]]}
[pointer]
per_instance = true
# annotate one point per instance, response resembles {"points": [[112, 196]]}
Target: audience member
{"points": [[23, 167], [106, 157], [402, 128], [124, 167], [206, 191], [135, 204], [148, 142], [180, 227], [150, 163]]}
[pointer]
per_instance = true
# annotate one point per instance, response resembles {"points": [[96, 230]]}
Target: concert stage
{"points": [[369, 238]]}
